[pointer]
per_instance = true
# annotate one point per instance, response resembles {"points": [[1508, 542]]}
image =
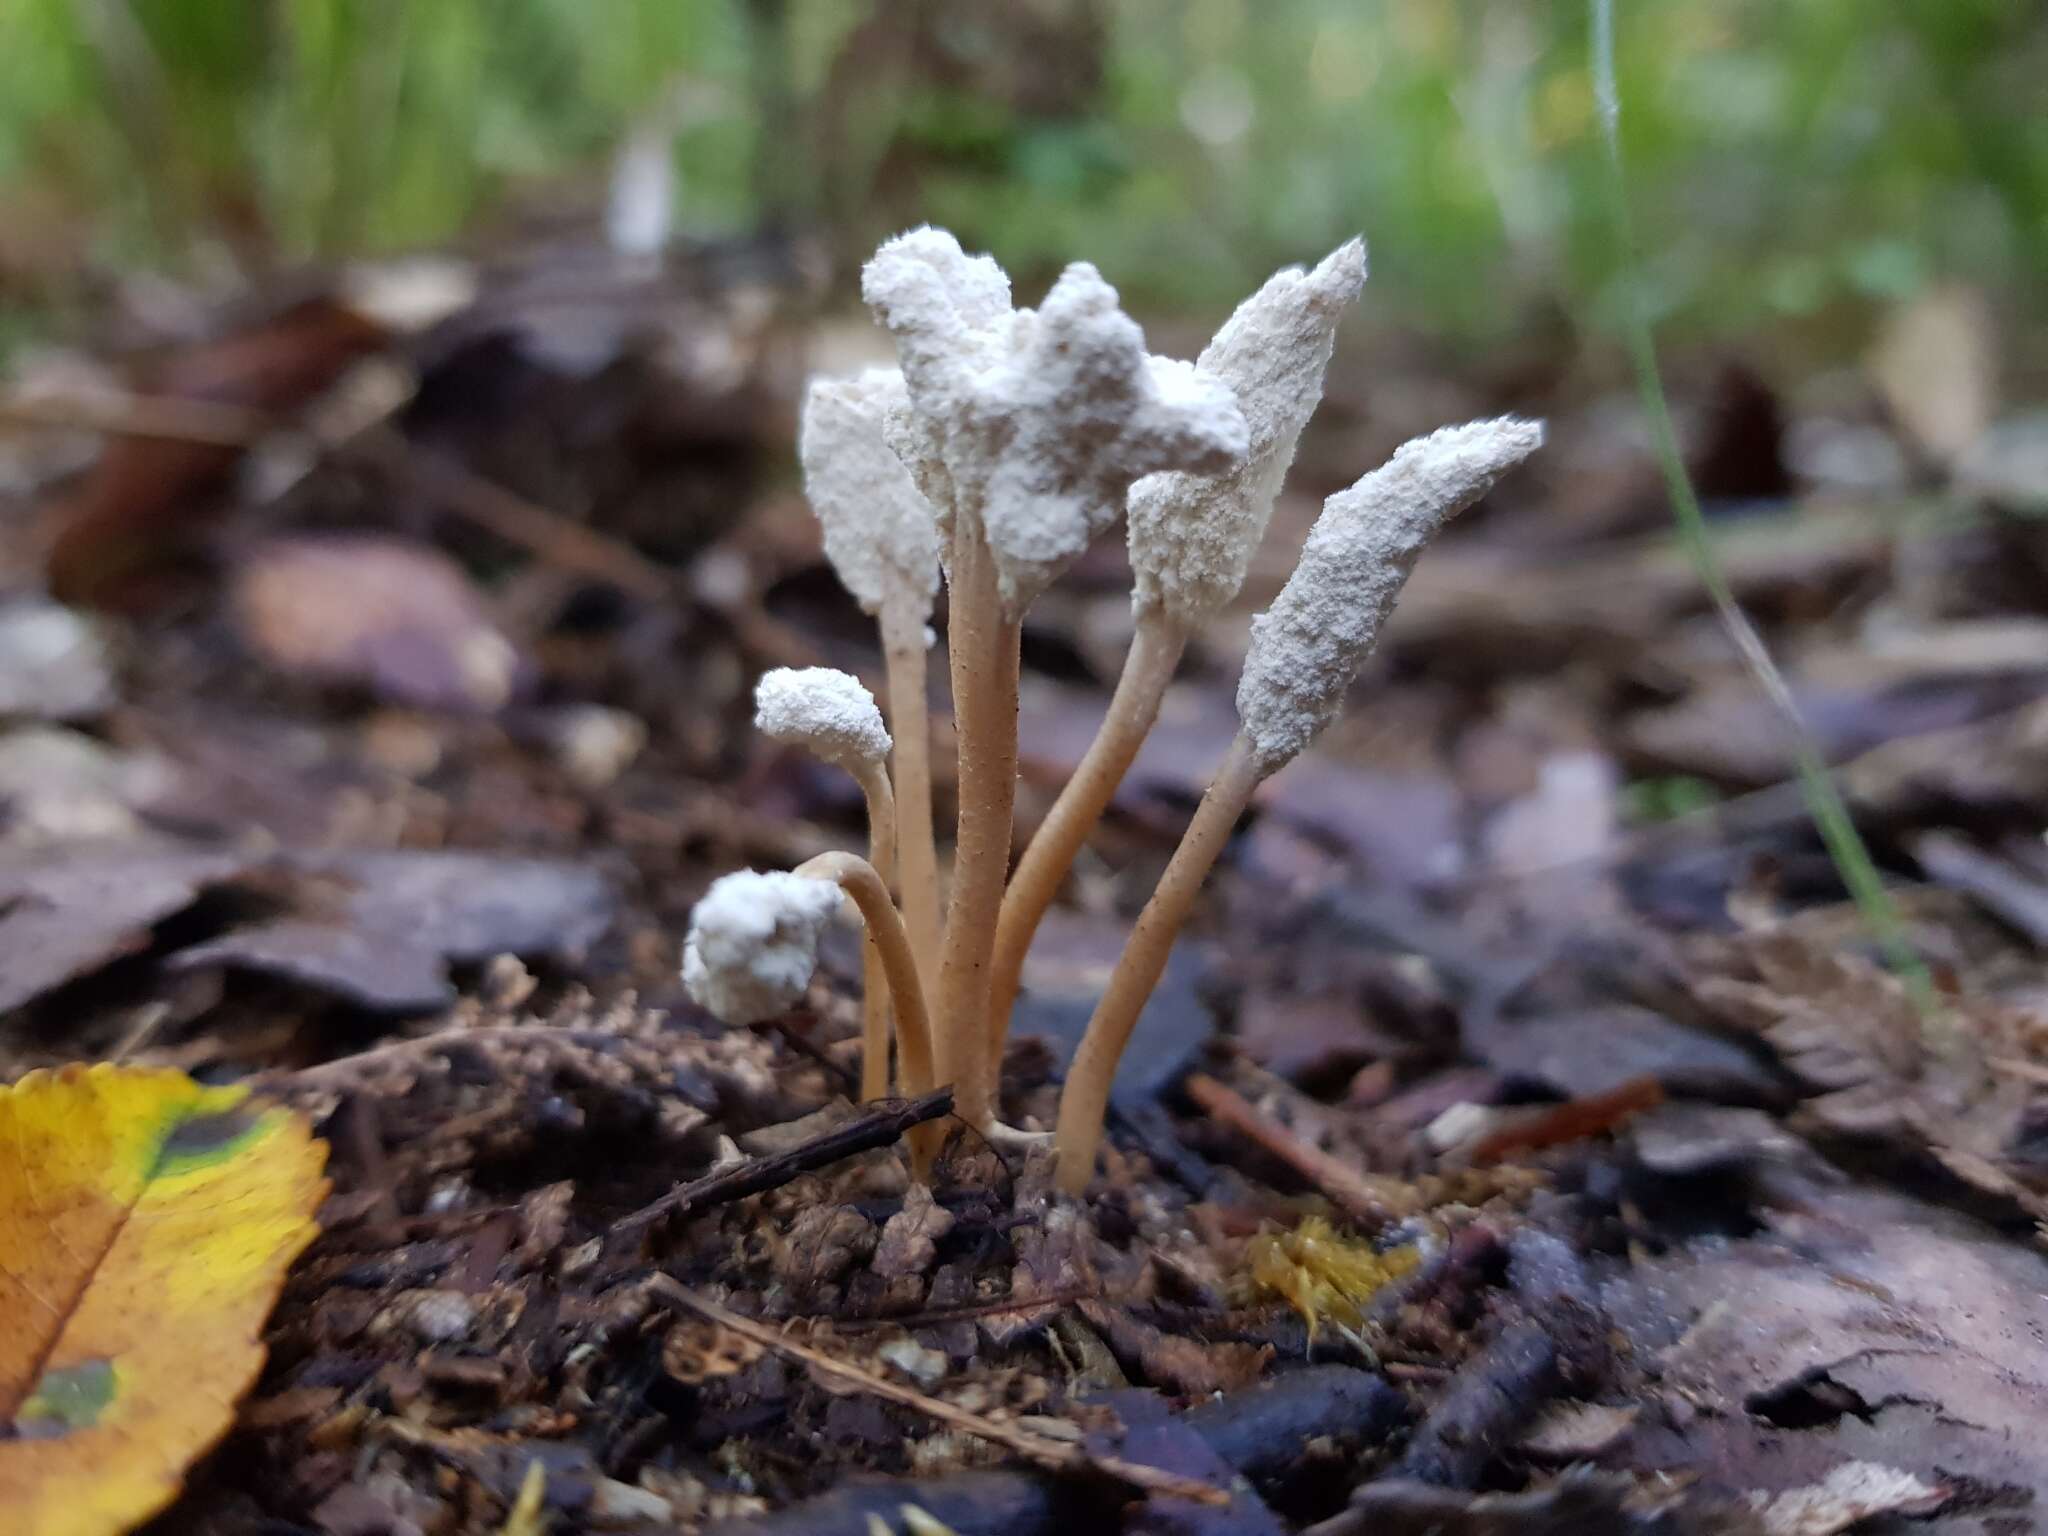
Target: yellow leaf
{"points": [[146, 1223], [529, 1514]]}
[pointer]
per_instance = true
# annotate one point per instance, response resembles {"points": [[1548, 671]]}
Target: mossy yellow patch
{"points": [[1323, 1275], [146, 1223]]}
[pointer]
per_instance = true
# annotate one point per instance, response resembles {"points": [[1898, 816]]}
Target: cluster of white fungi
{"points": [[1004, 444]]}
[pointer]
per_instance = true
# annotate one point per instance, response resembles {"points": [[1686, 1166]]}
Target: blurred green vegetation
{"points": [[1791, 163]]}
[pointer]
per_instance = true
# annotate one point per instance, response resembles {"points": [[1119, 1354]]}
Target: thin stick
{"points": [[856, 876], [1361, 1198], [170, 418], [984, 659], [560, 541], [917, 860], [1138, 969], [877, 1126], [874, 982], [1056, 1455], [1155, 651], [350, 1071]]}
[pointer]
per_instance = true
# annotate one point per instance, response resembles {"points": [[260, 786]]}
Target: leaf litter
{"points": [[1532, 989]]}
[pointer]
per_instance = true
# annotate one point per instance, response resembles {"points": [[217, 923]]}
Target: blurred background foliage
{"points": [[1793, 165]]}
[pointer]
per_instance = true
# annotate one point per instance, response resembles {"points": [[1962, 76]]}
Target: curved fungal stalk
{"points": [[1305, 652], [860, 880], [1192, 538], [832, 715], [882, 540], [753, 947]]}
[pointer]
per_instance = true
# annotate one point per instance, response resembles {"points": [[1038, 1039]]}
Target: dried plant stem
{"points": [[1056, 1455], [859, 879], [1086, 1096], [982, 649], [1155, 651], [917, 860], [875, 988]]}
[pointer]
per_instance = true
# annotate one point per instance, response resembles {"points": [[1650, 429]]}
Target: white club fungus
{"points": [[826, 710], [881, 536], [753, 943], [1192, 536], [1307, 648]]}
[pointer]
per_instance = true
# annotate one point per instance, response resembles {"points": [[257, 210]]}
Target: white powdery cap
{"points": [[945, 309], [825, 710], [1077, 413], [880, 533], [1039, 421], [753, 943], [1192, 536], [1307, 648]]}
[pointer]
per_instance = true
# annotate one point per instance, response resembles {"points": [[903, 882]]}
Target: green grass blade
{"points": [[1831, 818]]}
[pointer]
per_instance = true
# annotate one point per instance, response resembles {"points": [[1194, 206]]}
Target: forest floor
{"points": [[412, 717]]}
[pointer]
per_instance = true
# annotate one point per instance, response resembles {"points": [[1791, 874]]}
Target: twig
{"points": [[170, 418], [1056, 1455], [1574, 1120], [344, 1070], [1362, 1197], [876, 1126], [559, 540]]}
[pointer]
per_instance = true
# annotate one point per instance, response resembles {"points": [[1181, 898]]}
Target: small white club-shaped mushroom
{"points": [[1192, 537], [826, 710], [1306, 651], [1030, 427], [1061, 430], [948, 312], [882, 538], [880, 533], [834, 716], [1307, 648], [753, 943]]}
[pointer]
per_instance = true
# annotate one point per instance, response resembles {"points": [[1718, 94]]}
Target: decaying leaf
{"points": [[146, 1222], [1853, 1492], [379, 927], [1895, 1331], [398, 618], [60, 919], [1851, 1035], [910, 1238]]}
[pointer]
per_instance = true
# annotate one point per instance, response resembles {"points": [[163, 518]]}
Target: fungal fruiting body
{"points": [[1034, 425], [753, 943], [753, 947], [1305, 652], [1006, 441], [1306, 649], [825, 710], [1191, 538], [882, 540], [832, 715]]}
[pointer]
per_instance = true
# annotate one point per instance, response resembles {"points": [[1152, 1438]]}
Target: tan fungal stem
{"points": [[877, 987], [1086, 1096], [984, 660], [902, 621], [884, 927], [1155, 652]]}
